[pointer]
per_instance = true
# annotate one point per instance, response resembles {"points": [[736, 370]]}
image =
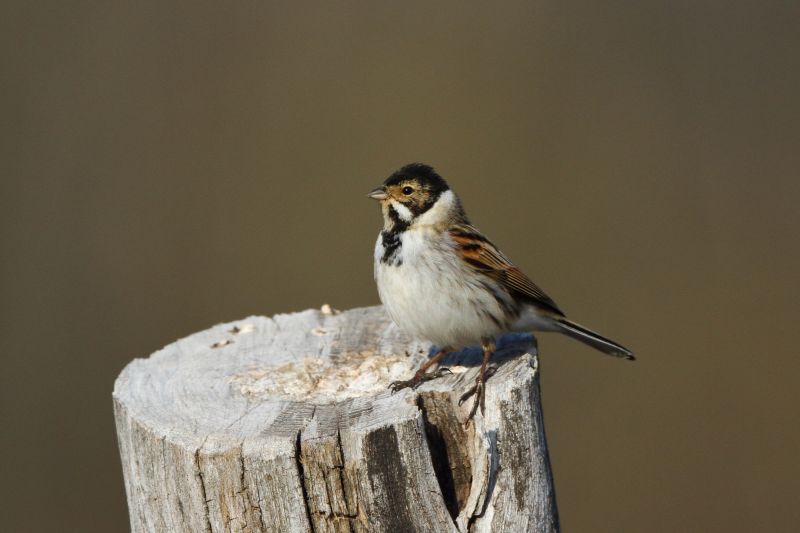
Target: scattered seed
{"points": [[223, 342], [326, 309], [244, 328]]}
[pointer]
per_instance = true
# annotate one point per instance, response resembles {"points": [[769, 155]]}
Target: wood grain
{"points": [[286, 424]]}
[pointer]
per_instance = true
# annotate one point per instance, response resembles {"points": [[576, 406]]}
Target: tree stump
{"points": [[287, 424]]}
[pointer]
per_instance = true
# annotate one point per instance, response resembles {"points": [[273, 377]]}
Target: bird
{"points": [[443, 281]]}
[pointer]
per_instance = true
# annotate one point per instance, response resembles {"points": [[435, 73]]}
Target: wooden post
{"points": [[286, 424]]}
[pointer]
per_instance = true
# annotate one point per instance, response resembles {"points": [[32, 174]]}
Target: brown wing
{"points": [[479, 253]]}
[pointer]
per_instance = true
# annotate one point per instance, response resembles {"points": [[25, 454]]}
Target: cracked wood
{"points": [[285, 424]]}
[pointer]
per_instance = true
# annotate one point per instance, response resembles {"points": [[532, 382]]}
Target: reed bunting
{"points": [[442, 280]]}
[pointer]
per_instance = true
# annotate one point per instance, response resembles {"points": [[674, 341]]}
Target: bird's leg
{"points": [[479, 389], [420, 376]]}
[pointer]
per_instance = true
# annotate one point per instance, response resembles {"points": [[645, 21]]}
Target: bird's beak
{"points": [[378, 193]]}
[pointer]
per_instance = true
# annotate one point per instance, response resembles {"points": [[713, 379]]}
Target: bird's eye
{"points": [[408, 190]]}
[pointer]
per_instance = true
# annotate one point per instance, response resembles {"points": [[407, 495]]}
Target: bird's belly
{"points": [[439, 302]]}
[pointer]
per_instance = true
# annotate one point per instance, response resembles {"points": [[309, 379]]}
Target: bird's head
{"points": [[416, 194]]}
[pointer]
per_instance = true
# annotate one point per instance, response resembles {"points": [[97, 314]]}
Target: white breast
{"points": [[431, 295]]}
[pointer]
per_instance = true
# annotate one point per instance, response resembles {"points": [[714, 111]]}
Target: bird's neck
{"points": [[445, 212]]}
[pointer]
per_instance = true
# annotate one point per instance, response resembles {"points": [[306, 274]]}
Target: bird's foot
{"points": [[418, 379], [479, 391]]}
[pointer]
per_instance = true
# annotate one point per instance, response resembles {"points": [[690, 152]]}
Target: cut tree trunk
{"points": [[287, 424]]}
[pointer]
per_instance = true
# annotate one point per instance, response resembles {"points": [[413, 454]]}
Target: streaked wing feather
{"points": [[479, 253]]}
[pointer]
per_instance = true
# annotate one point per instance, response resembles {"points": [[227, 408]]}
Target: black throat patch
{"points": [[391, 241], [391, 248]]}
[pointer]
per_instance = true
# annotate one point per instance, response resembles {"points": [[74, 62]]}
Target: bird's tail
{"points": [[595, 340]]}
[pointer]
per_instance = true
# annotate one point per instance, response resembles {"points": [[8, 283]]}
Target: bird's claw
{"points": [[479, 390], [400, 385], [438, 373], [416, 381]]}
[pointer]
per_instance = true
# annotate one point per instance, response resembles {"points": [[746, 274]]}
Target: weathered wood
{"points": [[286, 424]]}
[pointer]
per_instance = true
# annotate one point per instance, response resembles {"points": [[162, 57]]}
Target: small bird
{"points": [[441, 280]]}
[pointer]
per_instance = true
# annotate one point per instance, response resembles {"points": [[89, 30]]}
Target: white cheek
{"points": [[403, 211]]}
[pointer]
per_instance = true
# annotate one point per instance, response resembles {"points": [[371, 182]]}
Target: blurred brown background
{"points": [[166, 167]]}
